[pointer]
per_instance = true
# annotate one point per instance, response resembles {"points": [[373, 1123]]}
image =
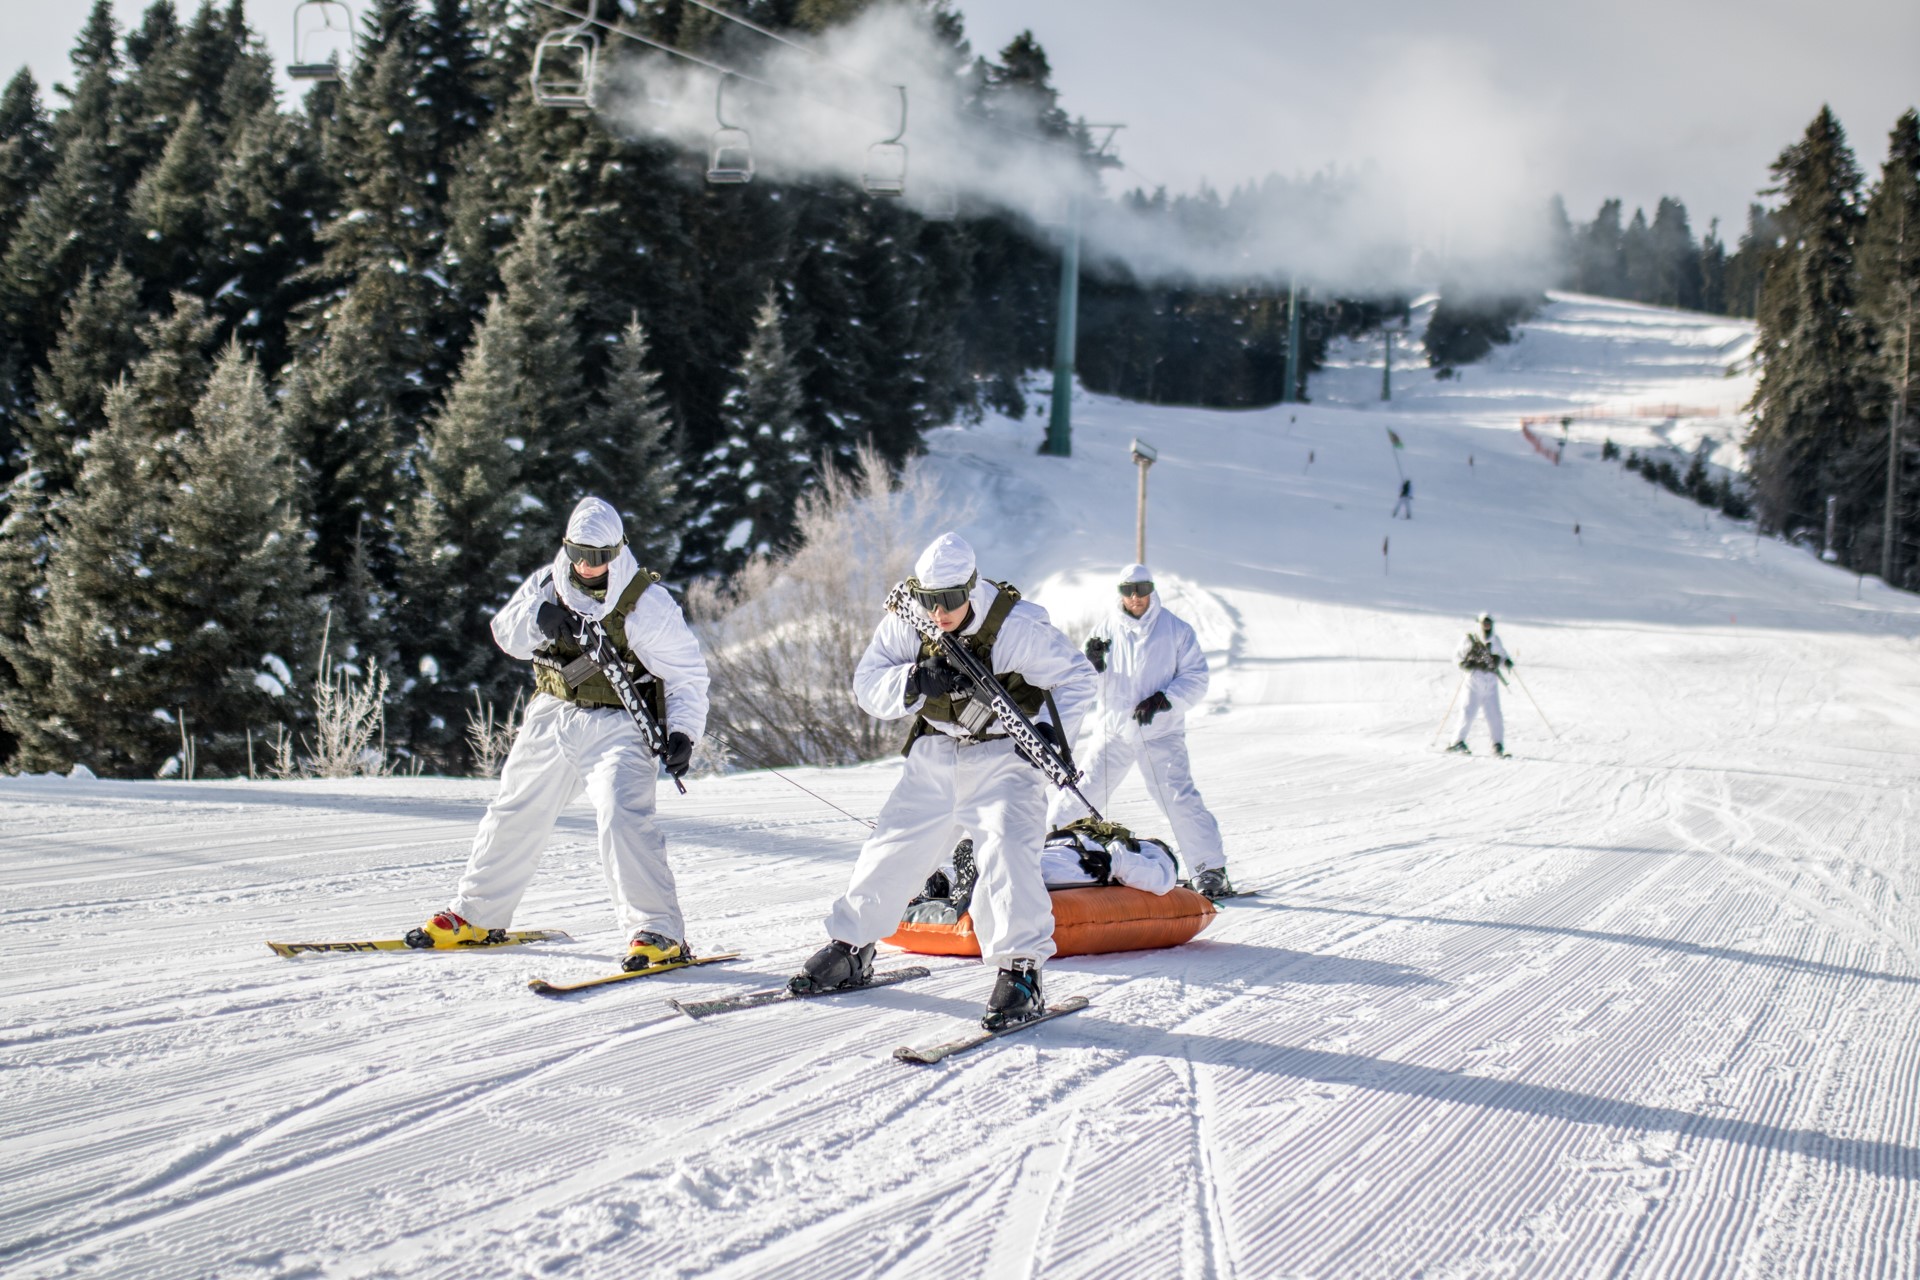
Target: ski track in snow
{"points": [[1643, 1001]]}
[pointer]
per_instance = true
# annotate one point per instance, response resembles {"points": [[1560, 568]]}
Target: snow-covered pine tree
{"points": [[743, 490], [532, 330], [465, 549], [98, 342], [1808, 402], [232, 572], [636, 466], [269, 195], [1889, 261], [26, 150], [168, 219], [105, 636]]}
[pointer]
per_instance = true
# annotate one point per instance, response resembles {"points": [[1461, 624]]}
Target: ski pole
{"points": [[1536, 705], [728, 748], [1450, 701]]}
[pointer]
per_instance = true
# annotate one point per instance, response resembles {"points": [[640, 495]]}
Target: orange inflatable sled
{"points": [[1086, 922]]}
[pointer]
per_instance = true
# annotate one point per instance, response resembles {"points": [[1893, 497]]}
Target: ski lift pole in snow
{"points": [[1059, 441], [1384, 570], [335, 25], [1144, 455]]}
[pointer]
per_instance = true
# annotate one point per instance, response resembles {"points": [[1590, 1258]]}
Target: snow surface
{"points": [[1643, 1002]]}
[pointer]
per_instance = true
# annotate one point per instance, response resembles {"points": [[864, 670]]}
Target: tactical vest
{"points": [[564, 670], [1480, 657], [947, 707]]}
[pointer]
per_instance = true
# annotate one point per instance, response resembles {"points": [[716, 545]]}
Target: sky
{"points": [[1636, 98]]}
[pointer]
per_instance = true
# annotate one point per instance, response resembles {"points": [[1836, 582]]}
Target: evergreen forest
{"points": [[292, 387]]}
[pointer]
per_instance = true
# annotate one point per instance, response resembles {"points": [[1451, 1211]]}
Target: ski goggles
{"points": [[949, 598], [1136, 589], [592, 557]]}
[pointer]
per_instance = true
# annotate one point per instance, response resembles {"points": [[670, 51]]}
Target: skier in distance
{"points": [[1406, 500], [959, 780], [1481, 656], [577, 735], [1151, 672]]}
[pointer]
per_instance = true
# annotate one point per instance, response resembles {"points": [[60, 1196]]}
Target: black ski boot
{"points": [[964, 874], [937, 886], [832, 967], [1500, 749], [1213, 883], [1016, 997], [1461, 748]]}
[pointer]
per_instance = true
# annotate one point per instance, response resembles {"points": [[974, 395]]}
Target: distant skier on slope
{"points": [[577, 734], [1406, 500], [1152, 671], [1481, 656], [962, 776]]}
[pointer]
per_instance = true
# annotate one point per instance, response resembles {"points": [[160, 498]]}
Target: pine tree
{"points": [[464, 537], [1562, 253], [533, 333], [1602, 262], [232, 573], [632, 439], [1637, 256], [26, 151], [98, 342], [104, 639], [1808, 402], [269, 195], [168, 221], [1889, 262], [1676, 259], [1714, 294], [744, 488]]}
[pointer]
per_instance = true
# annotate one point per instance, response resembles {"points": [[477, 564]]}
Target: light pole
{"points": [[1144, 456]]}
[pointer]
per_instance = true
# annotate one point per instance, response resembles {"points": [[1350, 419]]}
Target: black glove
{"points": [[1150, 707], [1097, 652], [1509, 662], [552, 620], [932, 677], [1046, 730], [679, 754], [1097, 863]]}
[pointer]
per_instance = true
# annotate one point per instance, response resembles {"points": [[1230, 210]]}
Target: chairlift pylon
{"points": [[566, 64], [731, 162], [886, 171], [334, 18]]}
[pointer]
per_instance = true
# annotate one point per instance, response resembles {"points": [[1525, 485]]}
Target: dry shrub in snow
{"points": [[490, 737], [783, 635]]}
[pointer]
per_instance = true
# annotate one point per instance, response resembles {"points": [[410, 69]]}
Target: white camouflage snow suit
{"points": [[953, 786], [563, 748], [1156, 652], [1483, 686]]}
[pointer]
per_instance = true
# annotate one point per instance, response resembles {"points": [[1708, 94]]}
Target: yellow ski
{"points": [[514, 939]]}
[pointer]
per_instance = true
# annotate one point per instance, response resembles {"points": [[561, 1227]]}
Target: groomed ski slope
{"points": [[1644, 1001]]}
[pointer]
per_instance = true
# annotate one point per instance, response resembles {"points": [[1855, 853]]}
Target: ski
{"points": [[547, 988], [514, 939], [754, 999], [936, 1052]]}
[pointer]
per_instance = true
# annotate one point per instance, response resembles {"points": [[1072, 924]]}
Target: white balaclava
{"points": [[947, 562], [594, 523], [1136, 573]]}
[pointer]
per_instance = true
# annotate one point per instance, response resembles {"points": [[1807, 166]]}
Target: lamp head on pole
{"points": [[1143, 453]]}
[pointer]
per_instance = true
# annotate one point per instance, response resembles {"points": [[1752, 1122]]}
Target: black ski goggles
{"points": [[1136, 589], [949, 598], [592, 557]]}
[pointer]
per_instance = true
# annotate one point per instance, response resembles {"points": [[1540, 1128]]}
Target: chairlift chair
{"points": [[942, 205], [731, 162], [566, 64], [886, 171], [331, 21]]}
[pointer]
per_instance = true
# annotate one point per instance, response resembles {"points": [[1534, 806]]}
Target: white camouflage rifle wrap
{"points": [[599, 648], [1040, 753]]}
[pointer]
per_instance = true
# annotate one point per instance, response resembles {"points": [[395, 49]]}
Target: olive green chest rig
{"points": [[960, 709], [564, 670]]}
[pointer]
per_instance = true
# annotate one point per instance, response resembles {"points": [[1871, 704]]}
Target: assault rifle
{"points": [[601, 652], [986, 690]]}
